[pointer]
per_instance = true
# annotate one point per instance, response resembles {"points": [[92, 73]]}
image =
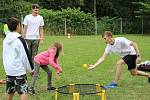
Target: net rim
{"points": [[81, 93]]}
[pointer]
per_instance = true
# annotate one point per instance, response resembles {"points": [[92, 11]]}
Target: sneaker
{"points": [[51, 88], [31, 91], [111, 85]]}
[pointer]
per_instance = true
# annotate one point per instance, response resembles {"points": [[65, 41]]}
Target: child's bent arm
{"points": [[53, 63]]}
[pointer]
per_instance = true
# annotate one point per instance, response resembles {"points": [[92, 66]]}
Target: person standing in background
{"points": [[5, 28], [33, 30]]}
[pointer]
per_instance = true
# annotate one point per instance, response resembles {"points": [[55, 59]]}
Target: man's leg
{"points": [[29, 42], [117, 75], [135, 72], [35, 46], [118, 70]]}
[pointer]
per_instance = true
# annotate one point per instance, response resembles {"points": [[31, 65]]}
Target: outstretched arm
{"points": [[99, 61]]}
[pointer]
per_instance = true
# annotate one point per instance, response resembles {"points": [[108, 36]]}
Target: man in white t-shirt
{"points": [[33, 30], [127, 50]]}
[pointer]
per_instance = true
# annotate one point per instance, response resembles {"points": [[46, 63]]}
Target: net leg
{"points": [[103, 95], [98, 89], [71, 88], [56, 95], [75, 96]]}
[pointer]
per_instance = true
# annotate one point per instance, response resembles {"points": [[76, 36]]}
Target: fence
{"points": [[137, 25], [116, 25]]}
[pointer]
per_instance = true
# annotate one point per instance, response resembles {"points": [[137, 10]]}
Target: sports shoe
{"points": [[31, 91], [111, 85], [51, 88]]}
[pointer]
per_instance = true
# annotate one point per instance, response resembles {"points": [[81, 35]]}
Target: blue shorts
{"points": [[16, 83]]}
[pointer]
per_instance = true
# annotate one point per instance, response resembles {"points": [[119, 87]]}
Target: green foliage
{"points": [[1, 28], [76, 21], [108, 23], [59, 4], [69, 9], [13, 8], [16, 8], [143, 13]]}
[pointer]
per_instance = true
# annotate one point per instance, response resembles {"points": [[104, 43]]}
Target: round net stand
{"points": [[78, 90]]}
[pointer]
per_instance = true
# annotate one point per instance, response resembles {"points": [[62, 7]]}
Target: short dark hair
{"points": [[35, 6], [12, 23]]}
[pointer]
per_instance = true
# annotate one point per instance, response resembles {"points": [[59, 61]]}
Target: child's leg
{"points": [[22, 87], [10, 87], [35, 75], [9, 96], [49, 75], [24, 97]]}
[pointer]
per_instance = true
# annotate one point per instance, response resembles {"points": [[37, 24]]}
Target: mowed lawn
{"points": [[87, 49]]}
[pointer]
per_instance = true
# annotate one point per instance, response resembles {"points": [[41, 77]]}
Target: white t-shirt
{"points": [[33, 23], [121, 47]]}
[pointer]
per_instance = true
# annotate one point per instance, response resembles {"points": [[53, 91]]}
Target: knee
{"points": [[118, 64], [49, 73], [134, 73], [35, 74]]}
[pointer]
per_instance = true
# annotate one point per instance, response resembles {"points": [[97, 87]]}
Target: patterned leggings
{"points": [[36, 72]]}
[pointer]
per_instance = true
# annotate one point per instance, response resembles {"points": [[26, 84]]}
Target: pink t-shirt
{"points": [[48, 57]]}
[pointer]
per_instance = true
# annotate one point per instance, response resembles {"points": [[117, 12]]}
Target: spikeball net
{"points": [[80, 92]]}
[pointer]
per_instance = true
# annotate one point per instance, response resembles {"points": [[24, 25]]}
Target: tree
{"points": [[9, 8], [59, 4]]}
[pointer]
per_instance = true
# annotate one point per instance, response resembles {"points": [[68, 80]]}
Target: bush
{"points": [[77, 22]]}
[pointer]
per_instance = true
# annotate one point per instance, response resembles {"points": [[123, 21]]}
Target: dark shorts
{"points": [[16, 83], [130, 60]]}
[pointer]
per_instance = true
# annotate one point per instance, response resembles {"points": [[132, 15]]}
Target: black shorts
{"points": [[16, 83], [130, 60]]}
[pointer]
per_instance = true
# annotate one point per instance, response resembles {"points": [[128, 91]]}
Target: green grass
{"points": [[87, 49]]}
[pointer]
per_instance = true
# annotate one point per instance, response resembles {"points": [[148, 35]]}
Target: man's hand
{"points": [[91, 66], [138, 60], [57, 77], [41, 41]]}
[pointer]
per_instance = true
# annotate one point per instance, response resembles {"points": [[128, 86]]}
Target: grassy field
{"points": [[87, 49]]}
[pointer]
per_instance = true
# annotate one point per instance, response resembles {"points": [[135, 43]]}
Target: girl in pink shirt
{"points": [[42, 60]]}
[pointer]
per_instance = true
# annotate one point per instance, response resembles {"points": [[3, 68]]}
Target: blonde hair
{"points": [[107, 33]]}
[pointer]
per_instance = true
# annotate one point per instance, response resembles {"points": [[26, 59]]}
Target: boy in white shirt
{"points": [[127, 50], [15, 62]]}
